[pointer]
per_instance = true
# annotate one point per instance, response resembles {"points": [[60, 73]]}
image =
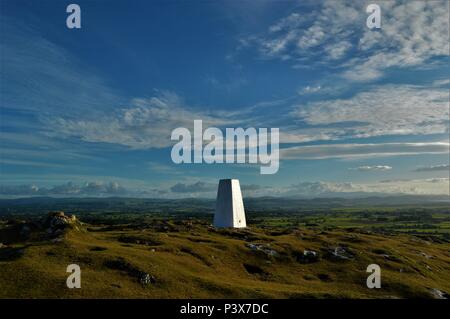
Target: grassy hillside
{"points": [[191, 259]]}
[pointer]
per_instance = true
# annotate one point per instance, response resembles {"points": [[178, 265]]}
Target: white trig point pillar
{"points": [[229, 205]]}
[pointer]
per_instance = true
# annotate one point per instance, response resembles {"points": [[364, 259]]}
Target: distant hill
{"points": [[195, 205]]}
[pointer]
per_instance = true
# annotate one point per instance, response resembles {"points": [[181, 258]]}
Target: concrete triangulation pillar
{"points": [[229, 205]]}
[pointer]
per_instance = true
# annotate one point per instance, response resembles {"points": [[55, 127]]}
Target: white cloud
{"points": [[386, 110], [434, 168], [434, 186], [409, 187], [362, 150], [309, 89], [365, 168], [443, 82], [148, 123], [411, 33]]}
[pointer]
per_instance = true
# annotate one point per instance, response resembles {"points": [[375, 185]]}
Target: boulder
{"points": [[146, 279], [58, 220], [438, 294], [308, 256], [263, 248], [425, 255], [340, 253]]}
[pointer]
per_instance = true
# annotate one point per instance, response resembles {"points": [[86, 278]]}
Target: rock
{"points": [[311, 255], [438, 294], [57, 222], [146, 279], [307, 256], [340, 253], [425, 255], [57, 214], [263, 248], [2, 245]]}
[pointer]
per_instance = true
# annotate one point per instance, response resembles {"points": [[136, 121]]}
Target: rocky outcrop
{"points": [[56, 223], [307, 256], [53, 226], [439, 294], [339, 253], [57, 220], [262, 248]]}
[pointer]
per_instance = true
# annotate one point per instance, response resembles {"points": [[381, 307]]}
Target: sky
{"points": [[90, 111]]}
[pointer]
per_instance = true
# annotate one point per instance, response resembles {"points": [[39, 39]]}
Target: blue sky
{"points": [[89, 112]]}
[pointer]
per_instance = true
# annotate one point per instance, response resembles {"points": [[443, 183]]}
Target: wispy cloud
{"points": [[309, 90], [383, 110], [411, 187], [53, 78], [442, 82], [363, 150], [147, 123], [335, 33], [434, 168], [58, 112], [366, 168]]}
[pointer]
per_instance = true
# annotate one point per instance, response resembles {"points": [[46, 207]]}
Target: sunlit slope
{"points": [[190, 259]]}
